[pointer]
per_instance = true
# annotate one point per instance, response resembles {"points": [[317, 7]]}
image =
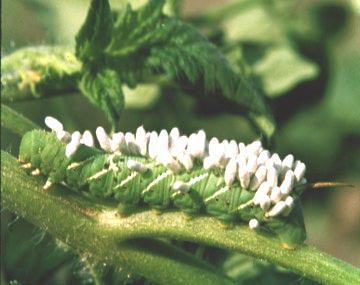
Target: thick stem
{"points": [[77, 219], [37, 71]]}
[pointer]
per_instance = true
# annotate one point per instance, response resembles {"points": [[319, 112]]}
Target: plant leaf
{"points": [[281, 69], [186, 53], [103, 89], [95, 33], [145, 43], [135, 30], [258, 29], [161, 45], [254, 24]]}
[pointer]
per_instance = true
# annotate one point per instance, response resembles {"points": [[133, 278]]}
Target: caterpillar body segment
{"points": [[290, 229], [201, 185], [133, 179], [44, 151], [156, 187], [220, 203], [51, 155], [31, 148]]}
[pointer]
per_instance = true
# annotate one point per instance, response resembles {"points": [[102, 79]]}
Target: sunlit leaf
{"points": [[281, 69]]}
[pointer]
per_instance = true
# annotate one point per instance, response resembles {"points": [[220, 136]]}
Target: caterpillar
{"points": [[231, 181]]}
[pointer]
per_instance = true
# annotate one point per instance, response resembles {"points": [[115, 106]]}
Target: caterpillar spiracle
{"points": [[231, 181]]}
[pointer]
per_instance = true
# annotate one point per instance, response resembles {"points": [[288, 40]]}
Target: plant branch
{"points": [[73, 220], [15, 121], [83, 219], [34, 72]]}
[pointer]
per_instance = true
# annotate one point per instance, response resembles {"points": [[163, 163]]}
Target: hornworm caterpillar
{"points": [[230, 181]]}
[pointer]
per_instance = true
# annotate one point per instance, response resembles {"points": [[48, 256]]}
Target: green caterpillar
{"points": [[137, 179]]}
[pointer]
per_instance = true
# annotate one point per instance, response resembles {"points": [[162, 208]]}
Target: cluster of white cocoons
{"points": [[58, 128], [73, 140], [253, 167]]}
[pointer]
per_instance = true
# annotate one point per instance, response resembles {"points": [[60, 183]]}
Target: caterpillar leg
{"points": [[125, 210], [156, 212], [226, 226], [26, 165], [287, 246], [187, 216], [35, 172], [47, 185]]}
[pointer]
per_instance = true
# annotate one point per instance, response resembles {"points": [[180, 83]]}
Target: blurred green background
{"points": [[305, 55]]}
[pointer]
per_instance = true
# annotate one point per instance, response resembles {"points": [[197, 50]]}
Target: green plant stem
{"points": [[73, 220], [77, 219], [34, 72], [15, 121]]}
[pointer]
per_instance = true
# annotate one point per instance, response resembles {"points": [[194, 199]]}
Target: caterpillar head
{"points": [[32, 145], [45, 153]]}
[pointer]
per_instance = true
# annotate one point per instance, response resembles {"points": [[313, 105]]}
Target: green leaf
{"points": [[173, 8], [95, 33], [253, 24], [103, 89], [186, 53], [145, 43], [135, 30], [281, 69], [148, 43], [143, 97], [259, 30]]}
